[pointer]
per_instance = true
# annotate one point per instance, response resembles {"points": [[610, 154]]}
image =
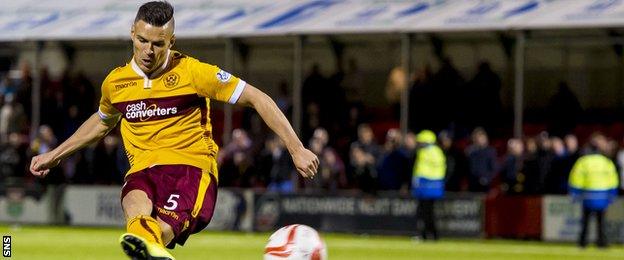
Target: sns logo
{"points": [[6, 246], [223, 76], [144, 112]]}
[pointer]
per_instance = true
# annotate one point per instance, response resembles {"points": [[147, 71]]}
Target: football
{"points": [[295, 242]]}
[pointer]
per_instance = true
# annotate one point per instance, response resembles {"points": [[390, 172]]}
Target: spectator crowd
{"points": [[534, 165], [64, 104], [335, 127]]}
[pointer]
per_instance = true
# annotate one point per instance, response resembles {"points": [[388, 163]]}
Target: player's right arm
{"points": [[92, 130], [214, 83]]}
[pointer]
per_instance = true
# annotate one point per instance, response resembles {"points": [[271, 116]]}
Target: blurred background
{"points": [[512, 89]]}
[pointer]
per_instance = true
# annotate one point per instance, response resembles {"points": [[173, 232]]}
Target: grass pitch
{"points": [[36, 242]]}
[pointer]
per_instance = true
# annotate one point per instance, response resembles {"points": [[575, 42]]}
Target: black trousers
{"points": [[425, 219], [602, 239]]}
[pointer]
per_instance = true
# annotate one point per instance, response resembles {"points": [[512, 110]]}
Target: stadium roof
{"points": [[111, 19]]}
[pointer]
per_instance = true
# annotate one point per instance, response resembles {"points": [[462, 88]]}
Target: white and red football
{"points": [[295, 242]]}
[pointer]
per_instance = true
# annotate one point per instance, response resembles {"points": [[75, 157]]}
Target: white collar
{"points": [[138, 70]]}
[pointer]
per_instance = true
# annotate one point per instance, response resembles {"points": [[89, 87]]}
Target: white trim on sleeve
{"points": [[109, 119], [237, 91], [104, 116]]}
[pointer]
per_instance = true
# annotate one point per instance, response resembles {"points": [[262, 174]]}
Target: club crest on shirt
{"points": [[171, 79], [223, 76]]}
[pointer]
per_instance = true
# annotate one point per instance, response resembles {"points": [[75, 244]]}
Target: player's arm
{"points": [[305, 161], [92, 130]]}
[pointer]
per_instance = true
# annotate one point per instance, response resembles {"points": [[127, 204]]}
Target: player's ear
{"points": [[132, 31], [172, 41]]}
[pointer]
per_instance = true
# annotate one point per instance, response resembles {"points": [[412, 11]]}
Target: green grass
{"points": [[34, 242]]}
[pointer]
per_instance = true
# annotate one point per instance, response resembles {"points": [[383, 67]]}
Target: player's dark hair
{"points": [[156, 13]]}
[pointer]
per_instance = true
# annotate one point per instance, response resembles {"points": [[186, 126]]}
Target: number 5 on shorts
{"points": [[173, 204]]}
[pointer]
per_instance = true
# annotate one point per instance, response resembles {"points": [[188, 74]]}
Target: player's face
{"points": [[150, 44]]}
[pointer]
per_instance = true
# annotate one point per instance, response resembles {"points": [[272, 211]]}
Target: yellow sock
{"points": [[145, 227]]}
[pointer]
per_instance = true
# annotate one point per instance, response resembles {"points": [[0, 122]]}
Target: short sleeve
{"points": [[108, 113], [212, 82]]}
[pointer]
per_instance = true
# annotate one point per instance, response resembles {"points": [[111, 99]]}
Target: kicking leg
{"points": [[136, 203], [167, 231], [144, 238]]}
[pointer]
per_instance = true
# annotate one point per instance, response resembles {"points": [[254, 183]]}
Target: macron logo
{"points": [[125, 85], [143, 112]]}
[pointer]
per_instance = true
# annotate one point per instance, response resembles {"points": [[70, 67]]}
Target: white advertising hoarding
{"points": [[561, 220], [15, 207], [94, 206], [101, 206]]}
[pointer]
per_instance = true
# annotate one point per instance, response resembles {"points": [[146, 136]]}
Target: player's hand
{"points": [[40, 165], [306, 162]]}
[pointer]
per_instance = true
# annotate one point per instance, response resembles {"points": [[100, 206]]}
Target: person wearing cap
{"points": [[428, 181], [594, 181]]}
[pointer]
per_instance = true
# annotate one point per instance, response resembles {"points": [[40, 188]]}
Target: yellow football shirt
{"points": [[165, 119]]}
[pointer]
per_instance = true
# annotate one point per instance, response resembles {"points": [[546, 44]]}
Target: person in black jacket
{"points": [[481, 162]]}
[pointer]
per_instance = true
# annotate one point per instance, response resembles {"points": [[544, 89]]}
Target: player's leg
{"points": [[137, 208], [136, 203], [144, 238], [167, 231]]}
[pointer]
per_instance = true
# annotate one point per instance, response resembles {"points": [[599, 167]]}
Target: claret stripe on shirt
{"points": [[159, 108]]}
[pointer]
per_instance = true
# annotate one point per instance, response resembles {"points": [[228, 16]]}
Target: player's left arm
{"points": [[305, 161]]}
